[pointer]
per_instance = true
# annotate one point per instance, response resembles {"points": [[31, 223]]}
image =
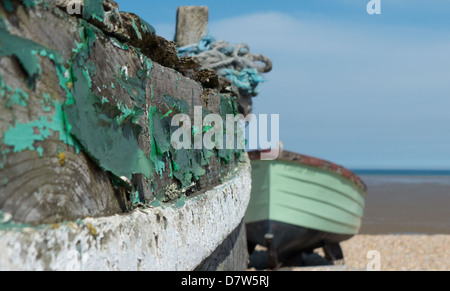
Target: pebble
{"points": [[398, 252]]}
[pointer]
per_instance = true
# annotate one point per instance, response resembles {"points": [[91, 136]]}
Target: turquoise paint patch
{"points": [[3, 87], [26, 52], [40, 151], [207, 128], [167, 114], [146, 27], [18, 97], [3, 158], [8, 5], [136, 29], [88, 78], [159, 140], [6, 224], [47, 102], [156, 204], [15, 46], [22, 136], [181, 202], [134, 114], [136, 86], [161, 133], [134, 198], [189, 166], [126, 112], [115, 147], [148, 66], [195, 130], [30, 3], [179, 105], [93, 9], [119, 44]]}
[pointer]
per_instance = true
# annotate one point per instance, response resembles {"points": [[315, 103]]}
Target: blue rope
{"points": [[196, 49], [246, 79]]}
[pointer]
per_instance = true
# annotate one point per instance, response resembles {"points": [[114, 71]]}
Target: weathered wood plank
{"points": [[52, 182], [192, 24], [60, 128]]}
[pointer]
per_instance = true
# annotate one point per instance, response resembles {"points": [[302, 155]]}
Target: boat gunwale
{"points": [[296, 158]]}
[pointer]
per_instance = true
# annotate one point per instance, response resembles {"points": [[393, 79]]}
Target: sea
{"points": [[406, 202]]}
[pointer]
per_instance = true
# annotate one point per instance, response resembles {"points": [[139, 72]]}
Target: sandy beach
{"points": [[399, 252], [407, 220], [396, 253], [414, 208]]}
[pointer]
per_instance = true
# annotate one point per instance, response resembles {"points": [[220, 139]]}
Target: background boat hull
{"points": [[305, 196], [290, 241]]}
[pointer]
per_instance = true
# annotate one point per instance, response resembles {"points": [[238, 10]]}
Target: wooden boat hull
{"points": [[305, 203]]}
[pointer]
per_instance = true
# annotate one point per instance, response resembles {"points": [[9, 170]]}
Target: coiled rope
{"points": [[233, 62]]}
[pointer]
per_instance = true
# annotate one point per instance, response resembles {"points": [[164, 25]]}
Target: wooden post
{"points": [[192, 24]]}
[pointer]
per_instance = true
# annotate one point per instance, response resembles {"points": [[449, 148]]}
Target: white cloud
{"points": [[353, 84]]}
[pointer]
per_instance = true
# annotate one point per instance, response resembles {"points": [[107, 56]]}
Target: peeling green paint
{"points": [[18, 97], [228, 106], [196, 130], [22, 136], [8, 5], [136, 29], [189, 166], [88, 77], [134, 113], [156, 204], [207, 128], [167, 114], [155, 154], [136, 86], [26, 52], [10, 8], [181, 202], [148, 66], [114, 145], [93, 9], [119, 44], [6, 223], [40, 151], [146, 27], [134, 198], [180, 106], [3, 87], [3, 160], [107, 131], [30, 3], [47, 102]]}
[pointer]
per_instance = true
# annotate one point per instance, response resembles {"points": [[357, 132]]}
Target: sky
{"points": [[364, 91]]}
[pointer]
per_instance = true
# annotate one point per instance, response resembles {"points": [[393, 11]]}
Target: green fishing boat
{"points": [[300, 203]]}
